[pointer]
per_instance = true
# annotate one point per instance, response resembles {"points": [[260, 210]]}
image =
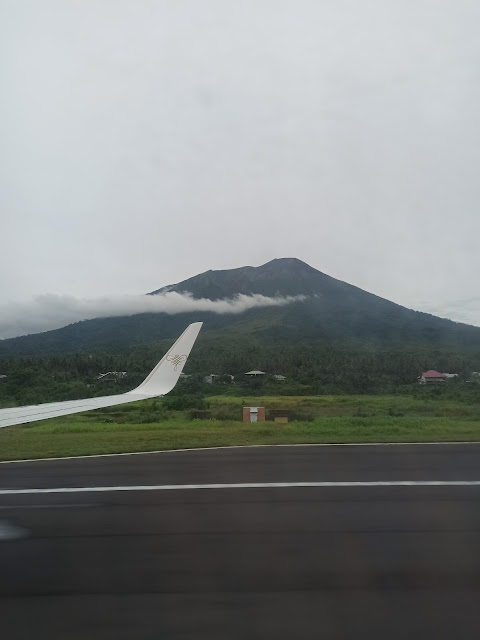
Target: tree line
{"points": [[310, 368]]}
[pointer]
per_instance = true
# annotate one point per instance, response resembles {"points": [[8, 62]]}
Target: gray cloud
{"points": [[51, 311], [467, 311], [144, 142]]}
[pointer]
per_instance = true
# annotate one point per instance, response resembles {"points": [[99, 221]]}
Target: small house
{"points": [[210, 379], [111, 376], [432, 377]]}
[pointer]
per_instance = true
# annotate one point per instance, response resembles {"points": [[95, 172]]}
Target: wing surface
{"points": [[159, 381]]}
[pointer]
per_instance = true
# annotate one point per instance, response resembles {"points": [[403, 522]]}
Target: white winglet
{"points": [[159, 382], [164, 377]]}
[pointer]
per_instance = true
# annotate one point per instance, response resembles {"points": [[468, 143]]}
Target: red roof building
{"points": [[432, 377]]}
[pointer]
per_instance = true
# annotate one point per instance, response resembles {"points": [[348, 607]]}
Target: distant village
{"points": [[435, 377], [249, 375], [430, 377], [427, 378]]}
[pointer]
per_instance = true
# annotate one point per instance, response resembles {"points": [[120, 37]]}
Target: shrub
{"points": [[200, 414], [395, 413], [186, 401], [227, 413]]}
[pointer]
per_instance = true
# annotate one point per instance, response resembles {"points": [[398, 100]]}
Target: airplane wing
{"points": [[159, 381]]}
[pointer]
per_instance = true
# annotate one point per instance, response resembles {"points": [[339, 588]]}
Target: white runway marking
{"points": [[248, 485], [246, 446], [73, 505]]}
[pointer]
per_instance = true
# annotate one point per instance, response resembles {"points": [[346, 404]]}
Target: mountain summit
{"points": [[282, 276]]}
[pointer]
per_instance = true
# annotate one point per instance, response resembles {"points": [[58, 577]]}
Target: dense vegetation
{"points": [[310, 370]]}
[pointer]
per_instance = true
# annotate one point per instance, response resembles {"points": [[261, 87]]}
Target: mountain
{"points": [[279, 277], [332, 314]]}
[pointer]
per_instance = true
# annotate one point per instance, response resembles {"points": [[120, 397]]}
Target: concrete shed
{"points": [[254, 414]]}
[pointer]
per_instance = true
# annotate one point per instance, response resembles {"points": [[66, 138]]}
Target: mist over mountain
{"points": [[52, 311], [325, 312]]}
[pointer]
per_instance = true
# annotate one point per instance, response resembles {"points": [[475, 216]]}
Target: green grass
{"points": [[150, 426], [65, 437], [374, 403]]}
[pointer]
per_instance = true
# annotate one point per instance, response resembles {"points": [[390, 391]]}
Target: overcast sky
{"points": [[145, 141]]}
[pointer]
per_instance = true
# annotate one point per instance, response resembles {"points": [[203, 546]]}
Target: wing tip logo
{"points": [[176, 360]]}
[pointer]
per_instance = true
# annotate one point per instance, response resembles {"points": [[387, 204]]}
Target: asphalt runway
{"points": [[358, 561]]}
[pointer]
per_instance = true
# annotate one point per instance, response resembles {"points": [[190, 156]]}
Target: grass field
{"points": [[149, 426]]}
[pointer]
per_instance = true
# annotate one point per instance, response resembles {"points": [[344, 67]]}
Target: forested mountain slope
{"points": [[331, 314]]}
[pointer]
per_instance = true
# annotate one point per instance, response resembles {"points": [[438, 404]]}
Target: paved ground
{"points": [[332, 562]]}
